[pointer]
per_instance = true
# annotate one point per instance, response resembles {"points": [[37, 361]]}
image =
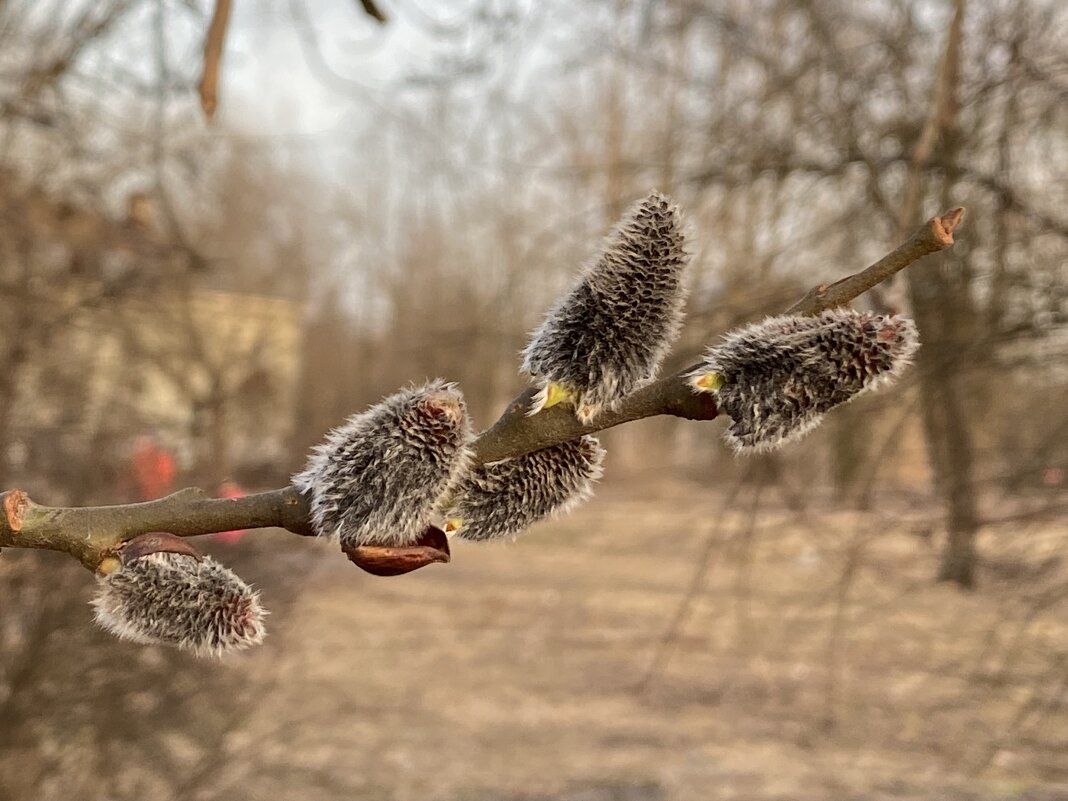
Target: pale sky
{"points": [[269, 87]]}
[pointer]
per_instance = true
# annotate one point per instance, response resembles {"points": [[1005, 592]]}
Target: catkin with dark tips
{"points": [[375, 479], [609, 334], [502, 499], [192, 603], [780, 376]]}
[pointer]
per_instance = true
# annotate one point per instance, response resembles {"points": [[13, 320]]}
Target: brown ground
{"points": [[819, 663]]}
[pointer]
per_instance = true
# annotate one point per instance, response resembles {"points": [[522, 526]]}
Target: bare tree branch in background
{"points": [[372, 10], [95, 21], [214, 43], [940, 305], [706, 560]]}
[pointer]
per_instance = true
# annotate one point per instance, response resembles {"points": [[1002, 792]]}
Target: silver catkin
{"points": [[609, 334], [502, 499], [375, 479], [780, 376], [195, 604]]}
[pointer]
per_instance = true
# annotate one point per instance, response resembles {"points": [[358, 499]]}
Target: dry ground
{"points": [[819, 662]]}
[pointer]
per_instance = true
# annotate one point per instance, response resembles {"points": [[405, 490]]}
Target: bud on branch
{"points": [[160, 591], [777, 378], [609, 334], [376, 479], [502, 499]]}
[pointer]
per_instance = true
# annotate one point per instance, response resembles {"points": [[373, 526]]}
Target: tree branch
{"points": [[935, 235], [213, 50], [90, 533], [372, 10]]}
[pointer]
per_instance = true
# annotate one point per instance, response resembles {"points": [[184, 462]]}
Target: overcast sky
{"points": [[311, 73]]}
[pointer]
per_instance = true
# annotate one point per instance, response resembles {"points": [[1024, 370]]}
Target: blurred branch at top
{"points": [[215, 44]]}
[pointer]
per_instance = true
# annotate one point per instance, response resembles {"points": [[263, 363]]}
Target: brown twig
{"points": [[372, 10], [213, 50], [704, 564], [935, 235], [89, 533]]}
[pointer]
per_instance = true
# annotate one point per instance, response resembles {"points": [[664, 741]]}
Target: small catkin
{"points": [[777, 378], [503, 498], [192, 603], [609, 334], [375, 479]]}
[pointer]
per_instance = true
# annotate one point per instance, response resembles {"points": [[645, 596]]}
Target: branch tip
{"points": [[945, 225], [214, 42], [16, 502], [372, 10]]}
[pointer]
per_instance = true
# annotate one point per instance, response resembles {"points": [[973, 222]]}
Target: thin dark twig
{"points": [[834, 637], [705, 563], [743, 584], [372, 10]]}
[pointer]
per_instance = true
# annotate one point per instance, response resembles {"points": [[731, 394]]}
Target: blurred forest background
{"points": [[195, 304]]}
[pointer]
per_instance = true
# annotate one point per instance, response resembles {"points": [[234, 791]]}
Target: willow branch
{"points": [[90, 533], [934, 235], [515, 434]]}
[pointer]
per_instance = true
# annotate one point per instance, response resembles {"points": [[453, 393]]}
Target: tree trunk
{"points": [[940, 308], [944, 310]]}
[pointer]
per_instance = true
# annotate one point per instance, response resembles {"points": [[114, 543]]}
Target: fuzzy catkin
{"points": [[503, 498], [195, 604], [780, 376], [375, 479], [609, 334]]}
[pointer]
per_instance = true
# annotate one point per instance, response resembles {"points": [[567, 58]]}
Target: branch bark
{"points": [[91, 533], [935, 235]]}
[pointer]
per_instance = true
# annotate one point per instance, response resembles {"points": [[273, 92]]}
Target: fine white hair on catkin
{"points": [[192, 603], [375, 479], [610, 333], [502, 499], [779, 377]]}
